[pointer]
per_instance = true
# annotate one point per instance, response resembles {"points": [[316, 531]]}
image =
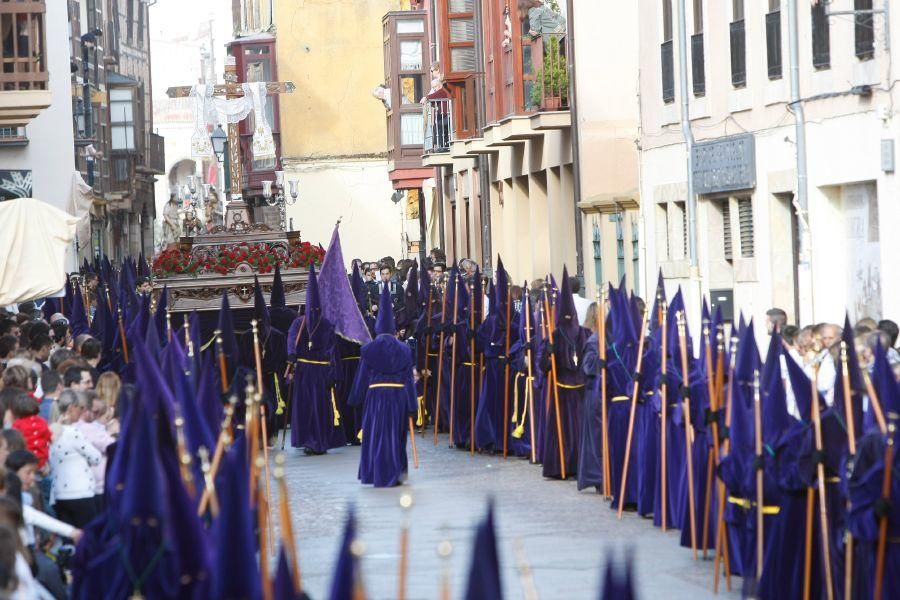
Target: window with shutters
{"points": [[635, 263], [140, 24], [864, 26], [598, 251], [112, 29], [458, 35], [738, 45], [129, 19], [667, 54], [698, 67], [727, 244], [745, 219], [773, 39], [821, 37], [618, 219]]}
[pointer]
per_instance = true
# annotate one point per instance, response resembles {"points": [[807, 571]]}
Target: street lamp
{"points": [[219, 138], [278, 198]]}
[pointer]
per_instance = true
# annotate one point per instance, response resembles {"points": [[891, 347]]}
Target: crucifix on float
{"points": [[237, 213]]}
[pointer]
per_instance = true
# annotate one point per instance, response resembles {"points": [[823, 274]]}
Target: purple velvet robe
{"points": [[570, 387], [385, 394], [312, 411]]}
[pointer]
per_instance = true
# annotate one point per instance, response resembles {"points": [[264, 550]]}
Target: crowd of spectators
{"points": [[60, 426]]}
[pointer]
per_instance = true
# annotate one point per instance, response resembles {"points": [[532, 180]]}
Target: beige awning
{"points": [[34, 238]]}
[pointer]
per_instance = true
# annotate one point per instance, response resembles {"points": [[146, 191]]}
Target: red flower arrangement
{"points": [[262, 258]]}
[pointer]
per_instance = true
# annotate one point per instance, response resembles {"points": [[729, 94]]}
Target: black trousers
{"points": [[78, 512]]}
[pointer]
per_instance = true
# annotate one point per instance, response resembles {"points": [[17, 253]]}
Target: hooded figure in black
{"points": [[498, 381], [569, 339], [385, 393]]}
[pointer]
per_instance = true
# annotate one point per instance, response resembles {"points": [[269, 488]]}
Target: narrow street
{"points": [[565, 534]]}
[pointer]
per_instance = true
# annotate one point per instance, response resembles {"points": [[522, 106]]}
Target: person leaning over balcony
{"points": [[437, 100], [541, 18]]}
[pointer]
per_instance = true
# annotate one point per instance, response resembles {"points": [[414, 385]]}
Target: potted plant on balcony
{"points": [[551, 82]]}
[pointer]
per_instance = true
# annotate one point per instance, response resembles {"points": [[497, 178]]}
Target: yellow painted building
{"points": [[333, 135]]}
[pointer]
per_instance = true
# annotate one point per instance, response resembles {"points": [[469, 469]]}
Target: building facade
{"points": [[505, 177], [517, 108], [36, 160], [330, 132], [606, 118], [188, 48], [35, 107], [749, 224], [116, 149]]}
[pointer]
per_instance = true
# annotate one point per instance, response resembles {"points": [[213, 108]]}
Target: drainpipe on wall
{"points": [[484, 165], [439, 192], [801, 200], [688, 139], [438, 171], [576, 159]]}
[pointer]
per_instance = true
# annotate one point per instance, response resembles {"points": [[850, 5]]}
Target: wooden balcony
{"points": [[154, 156], [23, 68]]}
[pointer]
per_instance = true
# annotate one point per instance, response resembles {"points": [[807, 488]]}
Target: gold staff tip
{"points": [[357, 548]]}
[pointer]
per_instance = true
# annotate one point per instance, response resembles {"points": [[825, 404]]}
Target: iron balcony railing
{"points": [[550, 89], [438, 119]]}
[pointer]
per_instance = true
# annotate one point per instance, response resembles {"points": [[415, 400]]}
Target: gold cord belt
{"points": [[567, 386], [746, 505], [386, 385], [313, 362]]}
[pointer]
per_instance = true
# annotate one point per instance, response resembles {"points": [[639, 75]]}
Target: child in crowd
{"points": [[37, 434]]}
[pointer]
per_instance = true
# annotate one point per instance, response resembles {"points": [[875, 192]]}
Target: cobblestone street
{"points": [[565, 534]]}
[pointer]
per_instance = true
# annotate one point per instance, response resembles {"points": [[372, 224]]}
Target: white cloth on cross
{"points": [[263, 146], [211, 110], [201, 144]]}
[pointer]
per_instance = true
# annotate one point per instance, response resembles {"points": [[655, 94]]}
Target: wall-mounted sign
{"points": [[15, 184], [725, 165]]}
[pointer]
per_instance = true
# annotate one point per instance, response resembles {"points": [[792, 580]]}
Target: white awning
{"points": [[34, 238]]}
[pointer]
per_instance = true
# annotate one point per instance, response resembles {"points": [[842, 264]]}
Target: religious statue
{"points": [[192, 225], [171, 230], [215, 213]]}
